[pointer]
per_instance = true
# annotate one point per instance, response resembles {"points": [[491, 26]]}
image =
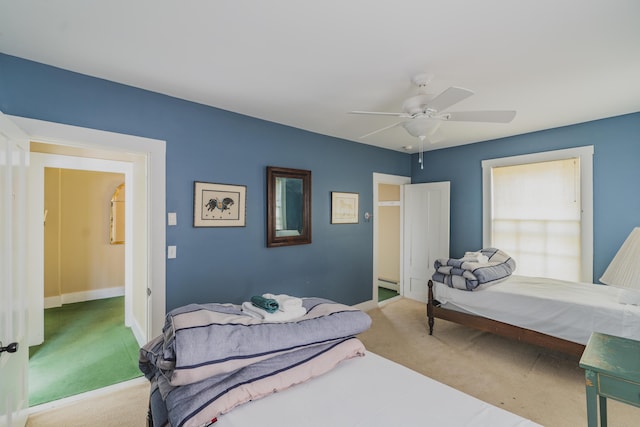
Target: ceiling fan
{"points": [[424, 112]]}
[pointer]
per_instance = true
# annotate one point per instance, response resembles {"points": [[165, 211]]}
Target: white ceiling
{"points": [[307, 64]]}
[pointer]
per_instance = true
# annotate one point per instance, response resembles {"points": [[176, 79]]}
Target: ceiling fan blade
{"points": [[381, 129], [446, 99], [481, 116], [378, 113]]}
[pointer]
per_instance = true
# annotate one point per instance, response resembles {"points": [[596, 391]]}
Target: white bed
{"points": [[370, 391], [567, 310], [216, 365]]}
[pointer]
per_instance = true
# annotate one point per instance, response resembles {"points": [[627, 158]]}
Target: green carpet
{"points": [[384, 293], [86, 347]]}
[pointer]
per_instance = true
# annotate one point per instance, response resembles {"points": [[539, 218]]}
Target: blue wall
{"points": [[212, 145], [616, 176]]}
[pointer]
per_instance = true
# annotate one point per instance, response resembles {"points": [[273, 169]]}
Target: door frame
{"points": [[381, 178], [152, 163]]}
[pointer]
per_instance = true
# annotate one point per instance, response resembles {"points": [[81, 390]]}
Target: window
{"points": [[538, 209]]}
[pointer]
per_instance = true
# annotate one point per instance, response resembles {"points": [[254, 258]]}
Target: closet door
{"points": [[426, 234]]}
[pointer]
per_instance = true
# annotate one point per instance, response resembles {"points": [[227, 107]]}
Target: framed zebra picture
{"points": [[219, 205]]}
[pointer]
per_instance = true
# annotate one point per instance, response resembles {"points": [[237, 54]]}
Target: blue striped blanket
{"points": [[468, 275], [202, 403], [213, 357], [200, 341]]}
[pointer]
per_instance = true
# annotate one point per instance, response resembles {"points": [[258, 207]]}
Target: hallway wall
{"points": [[80, 263], [389, 233]]}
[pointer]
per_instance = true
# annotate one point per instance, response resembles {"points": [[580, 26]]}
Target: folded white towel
{"points": [[278, 316], [629, 296], [286, 302], [475, 257]]}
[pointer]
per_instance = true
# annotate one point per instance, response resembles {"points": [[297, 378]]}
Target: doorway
{"points": [[86, 280], [387, 236], [44, 157], [146, 265]]}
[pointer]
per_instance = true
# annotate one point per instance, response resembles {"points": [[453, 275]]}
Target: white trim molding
{"points": [[150, 161]]}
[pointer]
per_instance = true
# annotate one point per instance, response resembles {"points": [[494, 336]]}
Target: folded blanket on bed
{"points": [[200, 341], [468, 275], [199, 403]]}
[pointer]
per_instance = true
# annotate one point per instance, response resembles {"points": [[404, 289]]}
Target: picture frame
{"points": [[344, 207], [219, 205]]}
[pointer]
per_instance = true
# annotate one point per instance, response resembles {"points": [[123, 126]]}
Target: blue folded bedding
{"points": [[213, 357], [199, 341], [465, 274]]}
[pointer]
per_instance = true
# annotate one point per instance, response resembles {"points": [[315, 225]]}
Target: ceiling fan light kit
{"points": [[422, 127], [424, 112]]}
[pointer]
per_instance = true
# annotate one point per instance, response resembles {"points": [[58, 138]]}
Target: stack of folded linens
{"points": [[274, 308], [476, 269], [213, 357]]}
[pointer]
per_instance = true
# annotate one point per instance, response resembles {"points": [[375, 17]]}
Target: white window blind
{"points": [[536, 217], [539, 209]]}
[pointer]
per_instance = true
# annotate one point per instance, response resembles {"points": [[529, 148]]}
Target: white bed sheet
{"points": [[567, 310], [370, 391]]}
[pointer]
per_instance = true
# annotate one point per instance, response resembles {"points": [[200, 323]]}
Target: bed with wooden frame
{"points": [[561, 320], [499, 328]]}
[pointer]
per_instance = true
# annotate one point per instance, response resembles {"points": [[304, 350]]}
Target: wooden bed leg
{"points": [[430, 308]]}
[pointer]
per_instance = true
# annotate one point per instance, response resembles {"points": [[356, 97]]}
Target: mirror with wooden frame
{"points": [[288, 206]]}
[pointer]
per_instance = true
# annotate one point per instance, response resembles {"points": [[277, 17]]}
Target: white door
{"points": [[426, 235], [14, 153]]}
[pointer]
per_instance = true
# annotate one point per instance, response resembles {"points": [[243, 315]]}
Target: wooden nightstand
{"points": [[612, 370]]}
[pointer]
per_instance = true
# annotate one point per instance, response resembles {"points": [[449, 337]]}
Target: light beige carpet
{"points": [[537, 384], [124, 407]]}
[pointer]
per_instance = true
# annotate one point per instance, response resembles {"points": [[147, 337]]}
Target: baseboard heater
{"points": [[388, 284]]}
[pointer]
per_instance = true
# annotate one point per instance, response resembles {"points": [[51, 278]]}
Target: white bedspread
{"points": [[371, 391], [567, 310]]}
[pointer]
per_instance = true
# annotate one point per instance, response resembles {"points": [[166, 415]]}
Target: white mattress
{"points": [[370, 391], [567, 310]]}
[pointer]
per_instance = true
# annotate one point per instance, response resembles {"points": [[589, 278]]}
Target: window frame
{"points": [[585, 154]]}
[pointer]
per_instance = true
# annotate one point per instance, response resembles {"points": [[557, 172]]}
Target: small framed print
{"points": [[219, 205], [344, 208]]}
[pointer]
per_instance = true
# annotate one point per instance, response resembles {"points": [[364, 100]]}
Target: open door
{"points": [[426, 235], [14, 351]]}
